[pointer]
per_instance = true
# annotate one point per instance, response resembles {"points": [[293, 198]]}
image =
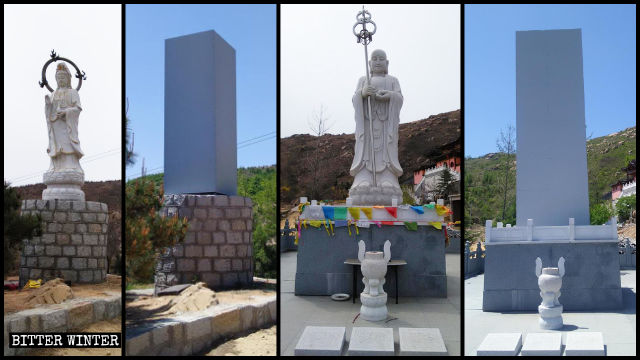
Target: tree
{"points": [[445, 184], [16, 227], [129, 155], [407, 195], [600, 213], [318, 126], [146, 232], [625, 206], [260, 185], [506, 144]]}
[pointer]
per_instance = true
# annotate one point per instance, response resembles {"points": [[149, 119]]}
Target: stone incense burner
{"points": [[550, 282], [374, 268]]}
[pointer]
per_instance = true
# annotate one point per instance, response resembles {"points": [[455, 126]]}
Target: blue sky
{"points": [[609, 53], [250, 29]]}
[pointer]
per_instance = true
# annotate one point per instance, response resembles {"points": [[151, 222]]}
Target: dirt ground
{"points": [[113, 325], [628, 231], [146, 308], [15, 300], [259, 343]]}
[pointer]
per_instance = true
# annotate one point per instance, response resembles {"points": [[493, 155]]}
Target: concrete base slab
{"points": [[321, 341], [500, 344], [542, 344], [368, 341], [584, 344], [421, 342]]}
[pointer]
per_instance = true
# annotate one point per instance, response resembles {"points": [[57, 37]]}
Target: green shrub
{"points": [[16, 227], [600, 213], [624, 206], [146, 232]]}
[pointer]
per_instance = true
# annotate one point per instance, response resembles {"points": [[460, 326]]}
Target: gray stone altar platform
{"points": [[321, 269], [73, 244], [591, 282]]}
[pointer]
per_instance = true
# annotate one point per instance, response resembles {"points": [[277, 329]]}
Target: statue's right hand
{"points": [[368, 90]]}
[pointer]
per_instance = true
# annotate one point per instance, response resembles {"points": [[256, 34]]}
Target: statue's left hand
{"points": [[61, 114], [383, 95]]}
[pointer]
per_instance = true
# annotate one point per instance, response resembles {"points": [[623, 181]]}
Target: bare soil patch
{"points": [[113, 325], [18, 300], [259, 343], [146, 308]]}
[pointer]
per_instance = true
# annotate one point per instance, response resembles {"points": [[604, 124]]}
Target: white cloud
{"points": [[321, 61], [90, 36]]}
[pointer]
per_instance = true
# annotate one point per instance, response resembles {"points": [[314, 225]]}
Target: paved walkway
{"points": [[617, 327], [300, 311]]}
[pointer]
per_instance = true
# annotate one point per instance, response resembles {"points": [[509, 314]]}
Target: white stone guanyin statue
{"points": [[62, 111], [386, 102]]}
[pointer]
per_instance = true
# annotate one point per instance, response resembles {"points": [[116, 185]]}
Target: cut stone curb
{"points": [[368, 341], [190, 334], [421, 342], [321, 341], [500, 344], [542, 344], [584, 344], [62, 317]]}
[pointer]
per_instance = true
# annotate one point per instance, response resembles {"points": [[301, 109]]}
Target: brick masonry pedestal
{"points": [[73, 244], [217, 249]]}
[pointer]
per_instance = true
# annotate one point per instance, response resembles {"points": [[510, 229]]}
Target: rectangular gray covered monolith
{"points": [[200, 154], [552, 181]]}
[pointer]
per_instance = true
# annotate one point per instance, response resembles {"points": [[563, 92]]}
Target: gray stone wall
{"points": [[217, 249], [73, 244]]}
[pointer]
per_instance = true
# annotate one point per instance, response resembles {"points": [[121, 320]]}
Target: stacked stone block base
{"points": [[73, 245], [217, 249]]}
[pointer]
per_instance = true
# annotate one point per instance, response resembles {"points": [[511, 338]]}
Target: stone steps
{"points": [[369, 341], [542, 344]]}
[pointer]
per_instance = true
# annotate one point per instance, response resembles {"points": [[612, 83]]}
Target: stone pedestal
{"points": [[375, 195], [64, 185], [592, 282], [321, 269], [73, 244], [217, 249]]}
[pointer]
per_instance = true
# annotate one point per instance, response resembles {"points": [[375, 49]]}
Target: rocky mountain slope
{"points": [[422, 143]]}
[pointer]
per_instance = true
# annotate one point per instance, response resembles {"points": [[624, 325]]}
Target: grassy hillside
{"points": [[606, 156]]}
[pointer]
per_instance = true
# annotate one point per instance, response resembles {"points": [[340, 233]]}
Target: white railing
{"points": [[629, 185], [570, 233]]}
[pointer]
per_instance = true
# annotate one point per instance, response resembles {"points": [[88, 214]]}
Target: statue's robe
{"points": [[386, 117], [63, 133]]}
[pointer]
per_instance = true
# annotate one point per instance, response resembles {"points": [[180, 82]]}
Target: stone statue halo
{"points": [[80, 75]]}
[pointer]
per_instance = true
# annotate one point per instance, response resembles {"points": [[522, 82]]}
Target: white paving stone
{"points": [[542, 344], [321, 341], [500, 344], [368, 341], [584, 344], [421, 342]]}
